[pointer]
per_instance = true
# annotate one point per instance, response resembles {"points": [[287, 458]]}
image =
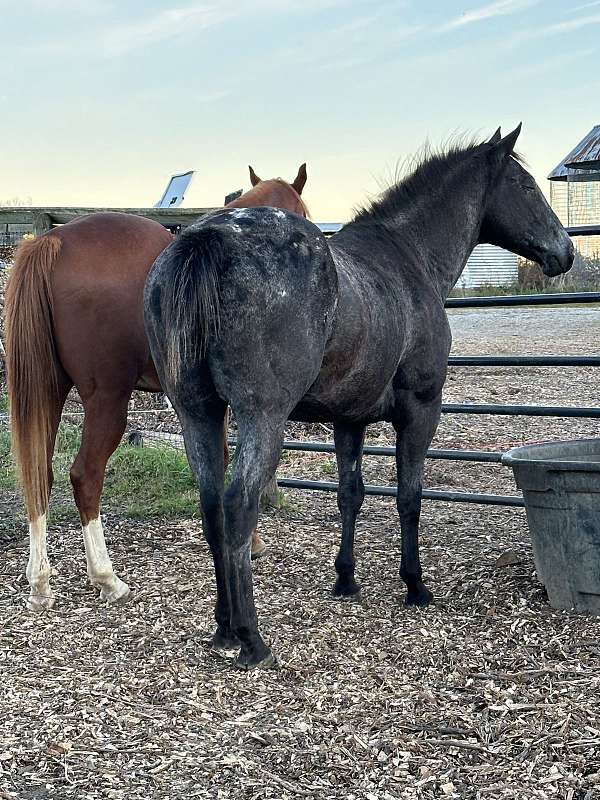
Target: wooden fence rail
{"points": [[40, 219]]}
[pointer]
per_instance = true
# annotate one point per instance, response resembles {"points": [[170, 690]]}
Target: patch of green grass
{"points": [[489, 290], [3, 402], [140, 481], [7, 470], [329, 468], [151, 481]]}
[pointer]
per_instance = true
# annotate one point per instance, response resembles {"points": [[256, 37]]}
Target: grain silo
{"points": [[575, 191]]}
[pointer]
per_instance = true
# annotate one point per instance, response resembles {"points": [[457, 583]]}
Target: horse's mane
{"points": [[419, 176]]}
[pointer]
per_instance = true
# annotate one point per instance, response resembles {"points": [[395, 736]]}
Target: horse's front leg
{"points": [[415, 427]]}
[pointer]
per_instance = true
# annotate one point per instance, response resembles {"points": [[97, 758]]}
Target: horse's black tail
{"points": [[190, 298]]}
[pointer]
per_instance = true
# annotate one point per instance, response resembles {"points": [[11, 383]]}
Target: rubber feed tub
{"points": [[560, 482]]}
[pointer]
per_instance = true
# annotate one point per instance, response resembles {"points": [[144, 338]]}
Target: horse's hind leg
{"points": [[351, 493], [205, 452], [414, 432], [41, 596], [257, 454], [258, 545], [103, 427]]}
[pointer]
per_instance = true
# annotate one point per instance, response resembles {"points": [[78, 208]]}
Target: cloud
{"points": [[499, 8], [119, 37], [349, 44], [87, 8], [210, 97], [167, 24], [552, 63], [555, 29], [570, 25], [584, 6]]}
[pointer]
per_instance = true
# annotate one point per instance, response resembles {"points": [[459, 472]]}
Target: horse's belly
{"points": [[359, 397]]}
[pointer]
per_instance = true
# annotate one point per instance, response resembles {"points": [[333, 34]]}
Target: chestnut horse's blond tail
{"points": [[31, 364]]}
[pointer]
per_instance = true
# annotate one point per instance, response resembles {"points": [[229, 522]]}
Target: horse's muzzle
{"points": [[558, 262]]}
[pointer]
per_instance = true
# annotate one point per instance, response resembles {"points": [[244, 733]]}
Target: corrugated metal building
{"points": [[489, 266], [575, 190]]}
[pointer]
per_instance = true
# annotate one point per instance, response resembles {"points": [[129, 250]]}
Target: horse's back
{"points": [[108, 245], [97, 286]]}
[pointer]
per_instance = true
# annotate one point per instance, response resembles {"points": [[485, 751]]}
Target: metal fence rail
{"points": [[428, 494], [500, 301], [481, 456], [476, 456]]}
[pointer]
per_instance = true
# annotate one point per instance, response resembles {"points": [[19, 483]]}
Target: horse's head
{"points": [[276, 192], [517, 215]]}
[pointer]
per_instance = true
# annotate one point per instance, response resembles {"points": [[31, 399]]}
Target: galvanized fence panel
{"points": [[477, 408]]}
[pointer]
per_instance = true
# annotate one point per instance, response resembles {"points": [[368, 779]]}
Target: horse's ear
{"points": [[254, 179], [496, 137], [300, 179], [505, 146]]}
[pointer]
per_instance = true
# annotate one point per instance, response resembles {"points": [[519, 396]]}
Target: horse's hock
{"points": [[561, 486]]}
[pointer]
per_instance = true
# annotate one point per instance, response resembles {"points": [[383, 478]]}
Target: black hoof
{"points": [[419, 597], [346, 588], [253, 659], [224, 641]]}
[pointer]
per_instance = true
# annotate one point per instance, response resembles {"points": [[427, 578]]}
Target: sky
{"points": [[102, 100]]}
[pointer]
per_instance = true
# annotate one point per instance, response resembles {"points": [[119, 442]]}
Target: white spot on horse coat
{"points": [[99, 567], [38, 567]]}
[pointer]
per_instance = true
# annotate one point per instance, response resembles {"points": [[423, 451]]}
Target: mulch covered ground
{"points": [[487, 694], [490, 693]]}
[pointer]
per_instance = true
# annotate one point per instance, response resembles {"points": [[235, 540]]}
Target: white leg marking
{"points": [[41, 596], [99, 567]]}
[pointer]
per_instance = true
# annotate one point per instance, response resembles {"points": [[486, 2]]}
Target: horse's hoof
{"points": [[40, 602], [225, 644], [420, 597], [259, 548], [346, 590], [115, 594], [248, 662]]}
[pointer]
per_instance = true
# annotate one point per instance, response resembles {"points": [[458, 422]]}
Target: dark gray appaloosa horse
{"points": [[256, 309]]}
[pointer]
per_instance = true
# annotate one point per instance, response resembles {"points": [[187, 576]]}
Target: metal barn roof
{"points": [[585, 156]]}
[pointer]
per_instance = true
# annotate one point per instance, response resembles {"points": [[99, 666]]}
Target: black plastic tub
{"points": [[560, 482]]}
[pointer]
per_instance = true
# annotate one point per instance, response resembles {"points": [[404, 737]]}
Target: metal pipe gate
{"points": [[481, 456]]}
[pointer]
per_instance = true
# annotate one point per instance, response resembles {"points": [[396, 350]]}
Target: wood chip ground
{"points": [[487, 694]]}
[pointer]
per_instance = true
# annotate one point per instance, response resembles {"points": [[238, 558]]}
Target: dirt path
{"points": [[556, 329]]}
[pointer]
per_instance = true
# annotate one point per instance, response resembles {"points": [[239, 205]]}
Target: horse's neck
{"points": [[444, 228]]}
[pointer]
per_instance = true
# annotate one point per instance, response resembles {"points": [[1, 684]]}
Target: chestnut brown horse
{"points": [[74, 317]]}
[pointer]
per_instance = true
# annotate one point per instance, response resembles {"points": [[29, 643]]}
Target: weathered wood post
{"points": [[42, 223]]}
